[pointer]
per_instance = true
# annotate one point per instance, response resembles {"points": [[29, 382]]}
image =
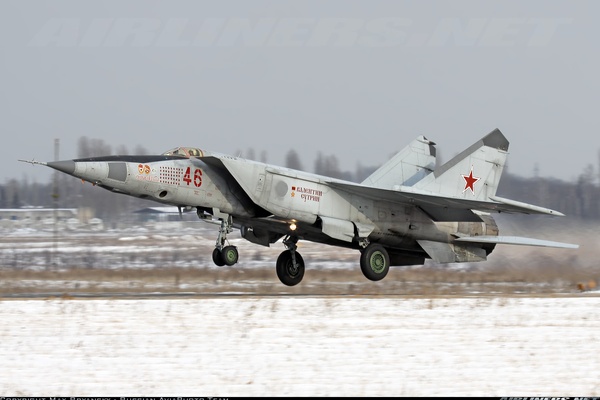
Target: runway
{"points": [[301, 345]]}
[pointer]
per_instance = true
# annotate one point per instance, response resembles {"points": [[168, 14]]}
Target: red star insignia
{"points": [[470, 181]]}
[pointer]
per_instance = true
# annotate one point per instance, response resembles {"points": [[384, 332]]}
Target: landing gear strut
{"points": [[290, 265], [225, 255]]}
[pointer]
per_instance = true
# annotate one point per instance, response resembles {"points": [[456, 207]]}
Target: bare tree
{"points": [[328, 166], [12, 189], [585, 191], [263, 156], [140, 150], [121, 150], [292, 160], [598, 167], [92, 147]]}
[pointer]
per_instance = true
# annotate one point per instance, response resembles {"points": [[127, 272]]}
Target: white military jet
{"points": [[405, 212]]}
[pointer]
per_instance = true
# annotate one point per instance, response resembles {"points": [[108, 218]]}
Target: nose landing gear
{"points": [[225, 255]]}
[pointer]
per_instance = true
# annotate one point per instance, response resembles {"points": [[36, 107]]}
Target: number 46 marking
{"points": [[197, 177]]}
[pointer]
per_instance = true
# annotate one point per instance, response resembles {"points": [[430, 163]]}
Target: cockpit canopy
{"points": [[184, 152]]}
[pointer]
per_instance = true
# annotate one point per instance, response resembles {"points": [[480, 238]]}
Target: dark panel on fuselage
{"points": [[117, 171]]}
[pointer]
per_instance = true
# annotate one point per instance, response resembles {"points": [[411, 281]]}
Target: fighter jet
{"points": [[407, 211]]}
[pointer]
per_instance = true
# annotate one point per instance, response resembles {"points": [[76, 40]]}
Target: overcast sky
{"points": [[357, 79]]}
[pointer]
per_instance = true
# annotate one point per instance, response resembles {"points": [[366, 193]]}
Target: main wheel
{"points": [[217, 257], [288, 273], [230, 255], [375, 262]]}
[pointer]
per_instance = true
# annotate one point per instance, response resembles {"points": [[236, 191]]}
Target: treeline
{"points": [[575, 199]]}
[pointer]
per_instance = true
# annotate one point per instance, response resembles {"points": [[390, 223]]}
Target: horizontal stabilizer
{"points": [[517, 241]]}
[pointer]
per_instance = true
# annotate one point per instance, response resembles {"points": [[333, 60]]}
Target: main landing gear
{"points": [[374, 262], [222, 254], [374, 258], [290, 265]]}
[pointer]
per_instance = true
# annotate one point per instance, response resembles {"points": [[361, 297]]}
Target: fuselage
{"points": [[251, 192]]}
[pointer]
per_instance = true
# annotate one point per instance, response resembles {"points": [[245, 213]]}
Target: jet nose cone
{"points": [[68, 167]]}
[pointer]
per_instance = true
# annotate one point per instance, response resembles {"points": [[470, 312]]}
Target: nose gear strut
{"points": [[224, 254]]}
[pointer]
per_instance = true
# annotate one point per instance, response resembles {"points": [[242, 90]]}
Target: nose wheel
{"points": [[225, 255]]}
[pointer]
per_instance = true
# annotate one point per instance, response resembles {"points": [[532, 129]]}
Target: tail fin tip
{"points": [[496, 139]]}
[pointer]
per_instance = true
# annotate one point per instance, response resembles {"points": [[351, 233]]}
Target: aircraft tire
{"points": [[287, 274], [375, 262], [217, 257], [230, 255]]}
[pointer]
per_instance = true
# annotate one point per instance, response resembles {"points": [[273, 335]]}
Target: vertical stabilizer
{"points": [[474, 173], [408, 166]]}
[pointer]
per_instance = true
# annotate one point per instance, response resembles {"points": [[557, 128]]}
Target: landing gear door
{"points": [[338, 228]]}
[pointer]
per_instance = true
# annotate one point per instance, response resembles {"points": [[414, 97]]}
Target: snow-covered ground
{"points": [[302, 346]]}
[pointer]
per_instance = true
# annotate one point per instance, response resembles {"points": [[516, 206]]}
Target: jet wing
{"points": [[442, 208]]}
